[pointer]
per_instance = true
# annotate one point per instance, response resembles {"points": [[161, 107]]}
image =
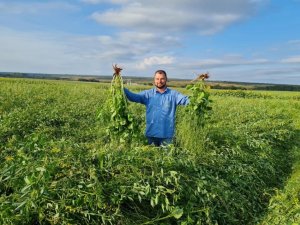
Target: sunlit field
{"points": [[60, 165]]}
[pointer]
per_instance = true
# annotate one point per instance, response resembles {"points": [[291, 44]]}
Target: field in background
{"points": [[178, 83], [58, 166]]}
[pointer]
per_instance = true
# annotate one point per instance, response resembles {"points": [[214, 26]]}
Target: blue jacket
{"points": [[160, 110]]}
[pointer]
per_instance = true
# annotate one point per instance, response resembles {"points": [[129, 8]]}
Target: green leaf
{"points": [[41, 169], [177, 213], [27, 181]]}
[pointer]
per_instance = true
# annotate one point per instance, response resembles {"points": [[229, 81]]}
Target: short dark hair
{"points": [[161, 72]]}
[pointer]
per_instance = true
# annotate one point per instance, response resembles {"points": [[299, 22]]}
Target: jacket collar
{"points": [[166, 90]]}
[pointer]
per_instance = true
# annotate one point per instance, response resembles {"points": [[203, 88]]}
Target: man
{"points": [[161, 103]]}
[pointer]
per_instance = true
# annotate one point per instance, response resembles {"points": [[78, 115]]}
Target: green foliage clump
{"points": [[200, 105], [122, 124]]}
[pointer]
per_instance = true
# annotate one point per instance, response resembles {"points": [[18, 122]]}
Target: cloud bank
{"points": [[141, 36]]}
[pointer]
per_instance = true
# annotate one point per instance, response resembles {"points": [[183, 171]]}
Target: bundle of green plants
{"points": [[122, 125], [198, 110], [195, 114]]}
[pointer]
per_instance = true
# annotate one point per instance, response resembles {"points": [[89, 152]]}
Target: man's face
{"points": [[160, 81]]}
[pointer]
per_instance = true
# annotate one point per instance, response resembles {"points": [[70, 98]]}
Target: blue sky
{"points": [[233, 40]]}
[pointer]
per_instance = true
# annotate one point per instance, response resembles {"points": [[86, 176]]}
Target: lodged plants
{"points": [[57, 168]]}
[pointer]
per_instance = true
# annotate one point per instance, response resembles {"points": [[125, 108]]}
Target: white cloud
{"points": [[126, 46], [63, 53], [295, 44], [35, 7], [105, 1], [155, 61], [206, 17], [226, 61], [92, 1], [36, 52], [294, 59]]}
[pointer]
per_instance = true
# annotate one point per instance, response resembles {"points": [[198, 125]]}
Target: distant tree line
{"points": [[148, 81]]}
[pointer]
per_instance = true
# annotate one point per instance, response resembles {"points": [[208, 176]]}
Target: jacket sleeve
{"points": [[135, 97]]}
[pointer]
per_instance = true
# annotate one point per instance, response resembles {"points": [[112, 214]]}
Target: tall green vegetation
{"points": [[56, 166]]}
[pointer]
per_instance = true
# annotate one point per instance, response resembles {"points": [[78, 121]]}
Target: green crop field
{"points": [[60, 164]]}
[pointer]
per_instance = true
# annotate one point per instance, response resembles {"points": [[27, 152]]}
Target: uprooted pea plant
{"points": [[122, 124], [194, 117], [199, 107]]}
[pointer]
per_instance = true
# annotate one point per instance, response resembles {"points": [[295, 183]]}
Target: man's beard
{"points": [[161, 87]]}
